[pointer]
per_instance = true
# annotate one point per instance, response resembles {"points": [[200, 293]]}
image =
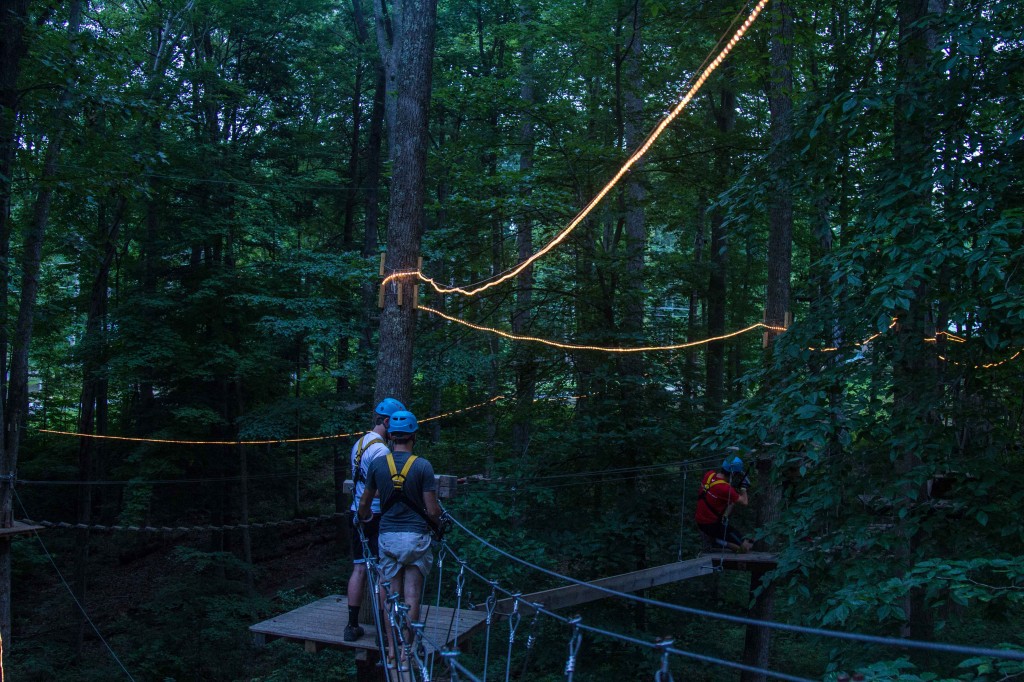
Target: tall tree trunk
{"points": [[714, 394], [16, 408], [13, 15], [407, 62], [92, 406], [692, 318], [915, 372], [780, 255], [523, 359]]}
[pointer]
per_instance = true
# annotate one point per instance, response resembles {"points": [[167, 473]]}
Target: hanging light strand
{"points": [[630, 162], [132, 439], [603, 349]]}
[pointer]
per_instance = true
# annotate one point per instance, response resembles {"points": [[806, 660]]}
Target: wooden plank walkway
{"points": [[706, 564], [19, 528], [320, 624]]}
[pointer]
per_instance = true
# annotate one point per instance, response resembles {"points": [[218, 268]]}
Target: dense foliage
{"points": [[216, 193]]}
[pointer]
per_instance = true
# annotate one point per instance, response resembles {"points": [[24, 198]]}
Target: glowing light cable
{"points": [[987, 365], [464, 409], [133, 439], [604, 349], [630, 162]]}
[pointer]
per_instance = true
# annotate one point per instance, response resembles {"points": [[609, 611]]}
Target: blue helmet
{"points": [[403, 421], [388, 407], [733, 466]]}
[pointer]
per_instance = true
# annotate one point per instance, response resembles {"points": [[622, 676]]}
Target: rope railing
{"points": [[1003, 654], [577, 624], [64, 525]]}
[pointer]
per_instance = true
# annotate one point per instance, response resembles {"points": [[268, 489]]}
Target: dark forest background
{"points": [[194, 197]]}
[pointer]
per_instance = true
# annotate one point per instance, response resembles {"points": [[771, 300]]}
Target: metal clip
{"points": [[574, 646], [664, 674]]}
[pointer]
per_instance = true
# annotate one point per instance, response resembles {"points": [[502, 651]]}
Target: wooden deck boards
{"points": [[573, 595], [321, 624]]}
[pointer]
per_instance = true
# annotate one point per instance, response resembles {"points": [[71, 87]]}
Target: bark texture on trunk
{"points": [[407, 64]]}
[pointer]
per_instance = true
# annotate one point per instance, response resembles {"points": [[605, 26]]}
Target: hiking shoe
{"points": [[352, 633]]}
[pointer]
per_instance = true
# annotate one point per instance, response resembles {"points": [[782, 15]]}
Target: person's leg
{"points": [[737, 542], [412, 590], [356, 581]]}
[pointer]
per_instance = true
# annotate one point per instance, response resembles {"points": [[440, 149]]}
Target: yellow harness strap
{"points": [[712, 484], [364, 445], [398, 479]]}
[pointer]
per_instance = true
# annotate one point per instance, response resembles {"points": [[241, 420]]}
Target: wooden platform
{"points": [[706, 564], [320, 624], [19, 528]]}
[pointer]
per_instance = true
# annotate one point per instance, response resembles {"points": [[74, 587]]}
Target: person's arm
{"points": [[365, 513], [431, 505], [736, 497]]}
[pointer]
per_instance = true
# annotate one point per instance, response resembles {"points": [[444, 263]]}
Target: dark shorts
{"points": [[720, 534], [371, 529]]}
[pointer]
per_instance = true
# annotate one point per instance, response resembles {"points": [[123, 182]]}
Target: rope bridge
{"points": [[436, 647]]}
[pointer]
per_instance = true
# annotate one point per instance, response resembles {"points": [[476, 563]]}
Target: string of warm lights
{"points": [[171, 441], [630, 162], [603, 349], [987, 365], [949, 336], [132, 439], [464, 409], [833, 349]]}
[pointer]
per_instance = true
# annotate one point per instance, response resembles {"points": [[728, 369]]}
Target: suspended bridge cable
{"points": [[1005, 654], [577, 622], [71, 592]]}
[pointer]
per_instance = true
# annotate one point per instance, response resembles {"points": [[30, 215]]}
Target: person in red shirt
{"points": [[717, 496]]}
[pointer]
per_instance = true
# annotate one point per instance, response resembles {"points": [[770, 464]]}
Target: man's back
{"points": [[398, 517]]}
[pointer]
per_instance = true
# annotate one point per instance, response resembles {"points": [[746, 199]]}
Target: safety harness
{"points": [[357, 469], [707, 483], [399, 495]]}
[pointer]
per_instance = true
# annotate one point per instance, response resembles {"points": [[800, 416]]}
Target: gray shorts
{"points": [[402, 550]]}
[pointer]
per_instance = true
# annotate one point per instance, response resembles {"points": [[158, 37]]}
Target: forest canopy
{"points": [[223, 221]]}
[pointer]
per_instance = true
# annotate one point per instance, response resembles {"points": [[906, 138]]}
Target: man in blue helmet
{"points": [[364, 451], [408, 493], [719, 491]]}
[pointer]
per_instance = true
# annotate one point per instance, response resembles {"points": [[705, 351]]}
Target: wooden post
{"points": [[367, 669]]}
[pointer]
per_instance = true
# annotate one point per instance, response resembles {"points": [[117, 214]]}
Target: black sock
{"points": [[353, 616]]}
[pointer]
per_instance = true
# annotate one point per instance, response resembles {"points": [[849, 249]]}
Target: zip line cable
{"points": [[71, 591], [627, 638], [1006, 654], [633, 159]]}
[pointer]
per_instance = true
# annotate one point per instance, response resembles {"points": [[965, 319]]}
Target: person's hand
{"points": [[444, 526], [744, 482]]}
